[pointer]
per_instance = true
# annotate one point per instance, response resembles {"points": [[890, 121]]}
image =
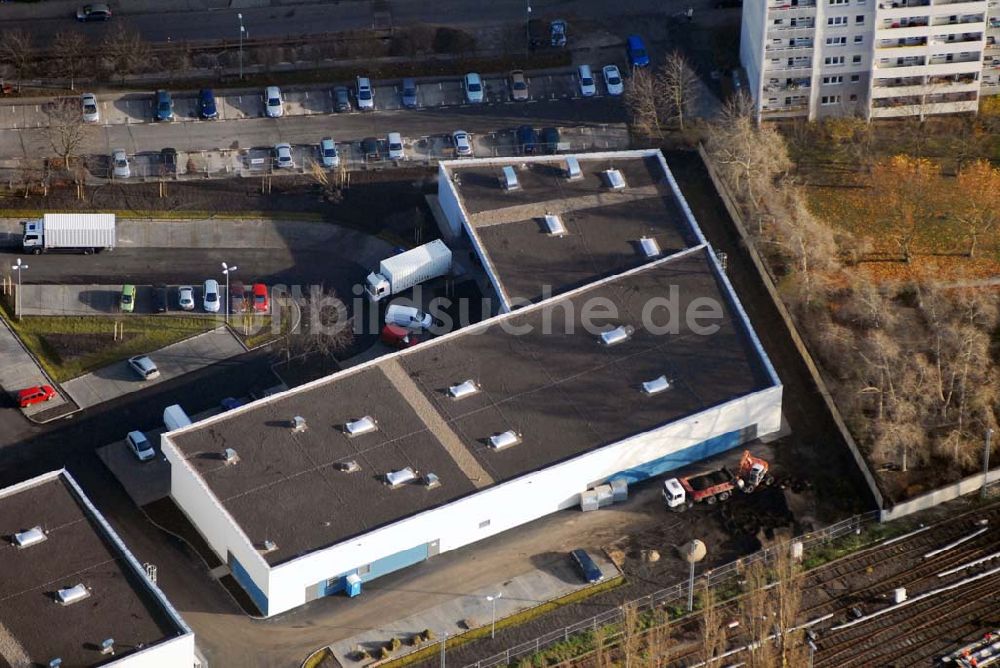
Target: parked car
{"points": [[587, 86], [144, 367], [140, 446], [527, 140], [370, 148], [407, 316], [462, 142], [206, 104], [95, 12], [159, 299], [394, 141], [409, 93], [168, 156], [557, 33], [261, 303], [229, 403], [365, 94], [164, 106], [274, 105], [119, 164], [398, 337], [35, 395], [342, 99], [636, 50], [518, 86], [328, 152], [473, 85], [586, 567], [91, 113], [613, 80], [127, 301], [210, 296], [550, 140], [283, 156], [238, 298], [185, 297]]}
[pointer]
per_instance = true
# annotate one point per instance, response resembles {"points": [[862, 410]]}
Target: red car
{"points": [[35, 395], [398, 337], [260, 301]]}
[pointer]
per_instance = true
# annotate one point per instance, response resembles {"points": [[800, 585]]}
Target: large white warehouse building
{"points": [[393, 461]]}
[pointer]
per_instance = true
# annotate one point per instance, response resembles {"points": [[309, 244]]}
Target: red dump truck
{"points": [[681, 493]]}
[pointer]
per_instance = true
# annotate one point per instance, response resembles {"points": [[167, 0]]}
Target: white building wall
{"points": [[519, 501], [177, 652], [448, 200], [752, 32]]}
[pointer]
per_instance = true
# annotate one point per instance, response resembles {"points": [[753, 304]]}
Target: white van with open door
{"points": [[407, 316]]}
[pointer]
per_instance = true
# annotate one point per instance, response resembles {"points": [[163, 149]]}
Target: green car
{"points": [[128, 298]]}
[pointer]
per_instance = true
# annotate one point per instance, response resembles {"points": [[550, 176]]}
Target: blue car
{"points": [[637, 54], [206, 104], [585, 565], [409, 93], [164, 106]]}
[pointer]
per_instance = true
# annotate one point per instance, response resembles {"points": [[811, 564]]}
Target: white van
{"points": [[174, 417], [407, 316], [587, 86]]}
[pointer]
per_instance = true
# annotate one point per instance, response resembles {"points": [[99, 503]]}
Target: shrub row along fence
{"points": [[727, 574]]}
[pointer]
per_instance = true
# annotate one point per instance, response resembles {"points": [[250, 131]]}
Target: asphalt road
{"points": [[317, 18]]}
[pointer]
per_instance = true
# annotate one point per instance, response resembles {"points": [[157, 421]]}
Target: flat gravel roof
{"points": [[33, 625]]}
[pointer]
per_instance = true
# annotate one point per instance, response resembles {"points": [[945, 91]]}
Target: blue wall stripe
{"points": [[241, 575], [694, 453]]}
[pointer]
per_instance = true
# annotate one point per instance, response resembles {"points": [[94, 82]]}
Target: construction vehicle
{"points": [[714, 486]]}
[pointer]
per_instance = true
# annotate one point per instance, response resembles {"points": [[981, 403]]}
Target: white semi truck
{"points": [[405, 270], [70, 233]]}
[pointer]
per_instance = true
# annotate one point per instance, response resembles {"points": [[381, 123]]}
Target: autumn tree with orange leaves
{"points": [[977, 187], [903, 198]]}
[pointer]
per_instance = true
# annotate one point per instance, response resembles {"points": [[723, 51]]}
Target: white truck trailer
{"points": [[70, 232], [405, 270]]}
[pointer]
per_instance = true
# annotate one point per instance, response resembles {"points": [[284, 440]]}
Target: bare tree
{"points": [[630, 634], [756, 612], [642, 102], [324, 327], [74, 54], [15, 50], [788, 599], [713, 634], [678, 88], [658, 644], [66, 128], [125, 50]]}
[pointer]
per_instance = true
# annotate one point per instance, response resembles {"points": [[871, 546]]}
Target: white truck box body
{"points": [[174, 417], [73, 230], [405, 270]]}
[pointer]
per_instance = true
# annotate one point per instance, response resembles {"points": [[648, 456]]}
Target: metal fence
{"points": [[677, 594]]}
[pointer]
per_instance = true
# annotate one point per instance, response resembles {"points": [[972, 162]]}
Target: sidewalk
{"points": [[19, 370], [554, 579], [51, 9]]}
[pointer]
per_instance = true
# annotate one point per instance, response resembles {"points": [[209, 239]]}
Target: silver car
{"points": [[185, 297], [463, 143], [140, 446], [144, 366], [328, 152], [273, 103], [283, 156], [119, 162], [91, 114]]}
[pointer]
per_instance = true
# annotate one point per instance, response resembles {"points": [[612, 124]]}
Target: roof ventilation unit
{"points": [[508, 179], [656, 385], [615, 179], [29, 537], [349, 466], [299, 424], [573, 171], [431, 480], [55, 663], [229, 456], [504, 439], [70, 595], [268, 546], [649, 247], [619, 334], [401, 477], [464, 389], [554, 225], [362, 425], [108, 646]]}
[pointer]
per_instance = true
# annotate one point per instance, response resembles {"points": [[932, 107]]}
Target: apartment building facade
{"points": [[873, 58]]}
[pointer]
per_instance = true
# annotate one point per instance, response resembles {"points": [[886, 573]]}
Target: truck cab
{"points": [[33, 236], [673, 493], [378, 286]]}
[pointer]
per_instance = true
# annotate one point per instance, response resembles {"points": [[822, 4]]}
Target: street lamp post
{"points": [[527, 27], [493, 600], [226, 270], [242, 32], [986, 454], [19, 267]]}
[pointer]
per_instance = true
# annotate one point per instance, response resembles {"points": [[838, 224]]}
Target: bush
{"points": [[451, 40]]}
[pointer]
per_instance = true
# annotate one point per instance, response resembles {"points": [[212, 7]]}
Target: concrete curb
{"points": [[786, 317]]}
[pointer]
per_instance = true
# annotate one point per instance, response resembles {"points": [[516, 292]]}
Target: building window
{"points": [[859, 19], [365, 570], [853, 98], [829, 99], [855, 78], [778, 22], [484, 524], [836, 41], [856, 59], [831, 81], [838, 2], [837, 21], [858, 39], [833, 60]]}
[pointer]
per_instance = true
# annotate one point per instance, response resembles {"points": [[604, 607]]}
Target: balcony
{"points": [[957, 20], [901, 4], [799, 45], [800, 4], [790, 84], [960, 38]]}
